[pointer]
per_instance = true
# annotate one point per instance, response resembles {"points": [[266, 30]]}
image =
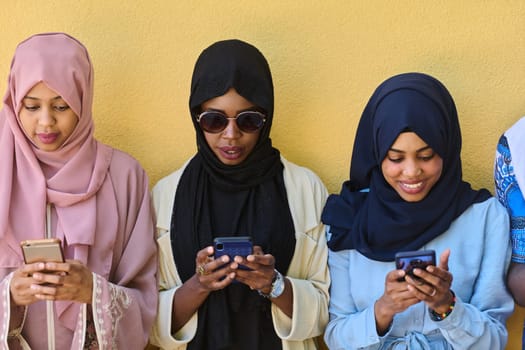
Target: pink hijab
{"points": [[69, 177]]}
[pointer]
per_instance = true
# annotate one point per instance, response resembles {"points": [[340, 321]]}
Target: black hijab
{"points": [[214, 199], [380, 223]]}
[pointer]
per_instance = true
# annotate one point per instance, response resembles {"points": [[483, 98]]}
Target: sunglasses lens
{"points": [[250, 121], [213, 122]]}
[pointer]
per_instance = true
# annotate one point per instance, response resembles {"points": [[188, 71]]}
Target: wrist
{"points": [[444, 305], [277, 287], [383, 317], [382, 312], [442, 312], [17, 319], [196, 286]]}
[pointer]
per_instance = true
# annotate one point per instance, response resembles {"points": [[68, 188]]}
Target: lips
{"points": [[231, 152], [47, 138], [412, 187]]}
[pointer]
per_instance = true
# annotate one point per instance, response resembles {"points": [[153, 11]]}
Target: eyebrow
{"points": [[417, 151], [250, 109], [36, 98]]}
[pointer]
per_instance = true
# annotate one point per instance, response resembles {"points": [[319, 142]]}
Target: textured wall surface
{"points": [[326, 57]]}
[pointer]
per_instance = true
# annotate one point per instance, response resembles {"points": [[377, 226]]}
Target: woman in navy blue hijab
{"points": [[406, 193]]}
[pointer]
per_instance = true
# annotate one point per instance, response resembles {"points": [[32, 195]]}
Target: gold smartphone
{"points": [[42, 250]]}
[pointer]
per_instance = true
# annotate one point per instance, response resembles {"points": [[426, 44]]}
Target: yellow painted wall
{"points": [[326, 58]]}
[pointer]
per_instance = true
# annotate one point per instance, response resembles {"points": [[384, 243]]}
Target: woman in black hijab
{"points": [[406, 193], [239, 185]]}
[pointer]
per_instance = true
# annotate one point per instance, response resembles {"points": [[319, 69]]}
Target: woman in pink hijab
{"points": [[57, 181]]}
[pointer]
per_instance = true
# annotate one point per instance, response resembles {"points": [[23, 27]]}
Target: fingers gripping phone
{"points": [[410, 260], [42, 250], [233, 246]]}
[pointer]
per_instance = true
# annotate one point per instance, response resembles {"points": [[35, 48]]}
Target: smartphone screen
{"points": [[410, 260], [42, 250]]}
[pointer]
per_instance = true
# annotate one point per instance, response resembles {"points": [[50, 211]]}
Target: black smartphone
{"points": [[233, 246], [410, 260], [42, 250]]}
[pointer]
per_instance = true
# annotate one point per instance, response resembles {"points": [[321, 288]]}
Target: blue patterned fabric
{"points": [[509, 194]]}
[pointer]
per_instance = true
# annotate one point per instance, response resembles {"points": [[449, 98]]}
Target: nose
{"points": [[232, 131], [412, 168], [46, 117]]}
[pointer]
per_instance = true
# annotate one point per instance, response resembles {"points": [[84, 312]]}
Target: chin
{"points": [[231, 161], [413, 197]]}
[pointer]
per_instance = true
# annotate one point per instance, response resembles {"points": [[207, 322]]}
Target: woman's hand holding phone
{"points": [[70, 280], [416, 279], [435, 289], [215, 270], [257, 272], [213, 274], [396, 298], [45, 275], [215, 267], [260, 272]]}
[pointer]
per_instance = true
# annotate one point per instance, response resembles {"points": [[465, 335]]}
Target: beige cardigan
{"points": [[308, 271]]}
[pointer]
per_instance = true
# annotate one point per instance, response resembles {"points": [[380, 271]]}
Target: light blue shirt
{"points": [[479, 258]]}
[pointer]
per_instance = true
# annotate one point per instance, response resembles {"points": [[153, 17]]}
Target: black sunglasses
{"points": [[215, 122]]}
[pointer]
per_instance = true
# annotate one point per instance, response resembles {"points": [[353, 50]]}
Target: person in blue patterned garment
{"points": [[509, 178]]}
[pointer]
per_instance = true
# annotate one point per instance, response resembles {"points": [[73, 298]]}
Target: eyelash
{"points": [[57, 108], [427, 158], [423, 158]]}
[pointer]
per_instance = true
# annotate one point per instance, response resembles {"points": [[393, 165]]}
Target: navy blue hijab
{"points": [[379, 223]]}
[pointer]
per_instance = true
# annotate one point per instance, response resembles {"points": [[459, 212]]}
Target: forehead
{"points": [[409, 141], [231, 101], [42, 91]]}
